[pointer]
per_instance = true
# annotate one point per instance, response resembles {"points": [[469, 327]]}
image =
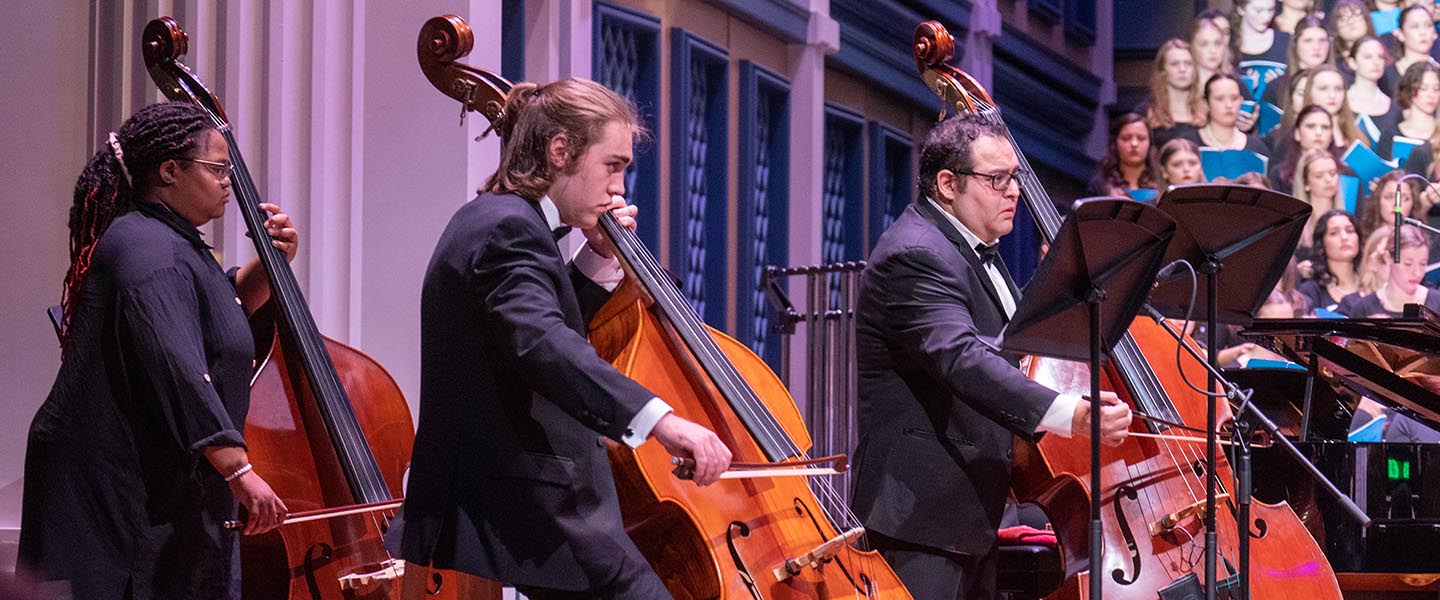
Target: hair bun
{"points": [[520, 95]]}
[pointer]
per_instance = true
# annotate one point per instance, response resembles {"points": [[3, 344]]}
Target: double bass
{"points": [[337, 464], [1153, 488], [751, 537]]}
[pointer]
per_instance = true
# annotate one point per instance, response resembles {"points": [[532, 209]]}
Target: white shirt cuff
{"points": [[605, 272], [639, 429], [1061, 415]]}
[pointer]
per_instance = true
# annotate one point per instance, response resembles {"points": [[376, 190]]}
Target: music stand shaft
{"points": [[1212, 338], [1097, 529]]}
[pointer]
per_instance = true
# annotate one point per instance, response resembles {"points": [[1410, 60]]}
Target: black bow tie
{"points": [[561, 231], [988, 254]]}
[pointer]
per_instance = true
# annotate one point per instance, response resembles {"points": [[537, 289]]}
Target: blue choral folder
{"points": [[1143, 194], [1368, 127], [1385, 21], [1401, 147], [1350, 192], [1220, 162], [1270, 117], [1366, 164]]}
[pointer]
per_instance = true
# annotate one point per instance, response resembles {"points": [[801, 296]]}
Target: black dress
{"points": [[1160, 135], [119, 500], [1251, 63], [1386, 122], [1386, 147], [1275, 53]]}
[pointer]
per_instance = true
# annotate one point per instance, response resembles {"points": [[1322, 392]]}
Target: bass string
{"points": [[356, 459], [679, 313], [1043, 209], [742, 398]]}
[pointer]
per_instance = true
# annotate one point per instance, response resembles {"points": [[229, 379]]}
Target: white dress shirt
{"points": [[607, 273], [1061, 414]]}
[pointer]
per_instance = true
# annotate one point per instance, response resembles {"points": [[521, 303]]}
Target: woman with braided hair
{"points": [[136, 457]]}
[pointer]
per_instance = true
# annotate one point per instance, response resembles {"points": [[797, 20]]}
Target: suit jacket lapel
{"points": [[938, 220], [566, 281]]}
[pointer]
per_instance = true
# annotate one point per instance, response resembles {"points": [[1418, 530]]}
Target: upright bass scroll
{"points": [[444, 39], [932, 48]]}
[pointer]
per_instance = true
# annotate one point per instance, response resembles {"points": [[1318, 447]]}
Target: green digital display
{"points": [[1398, 469]]}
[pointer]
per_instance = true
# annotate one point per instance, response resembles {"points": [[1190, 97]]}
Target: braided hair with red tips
{"points": [[119, 174]]}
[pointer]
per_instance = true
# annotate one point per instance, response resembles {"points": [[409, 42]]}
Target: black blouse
{"points": [[1369, 305], [1318, 294], [1252, 143], [157, 368], [1276, 51]]}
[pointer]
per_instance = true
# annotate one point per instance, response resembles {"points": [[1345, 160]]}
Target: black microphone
{"points": [[1399, 218], [1399, 221], [1174, 271]]}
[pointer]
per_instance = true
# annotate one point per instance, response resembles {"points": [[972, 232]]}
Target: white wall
{"points": [[45, 143], [420, 165]]}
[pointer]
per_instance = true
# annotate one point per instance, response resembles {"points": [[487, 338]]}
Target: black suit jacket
{"points": [[938, 405], [509, 478]]}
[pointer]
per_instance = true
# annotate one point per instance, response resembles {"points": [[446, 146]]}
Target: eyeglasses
{"points": [[220, 170], [1347, 16], [998, 181]]}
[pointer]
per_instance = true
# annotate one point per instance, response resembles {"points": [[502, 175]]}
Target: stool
{"points": [[1028, 571], [1028, 565]]}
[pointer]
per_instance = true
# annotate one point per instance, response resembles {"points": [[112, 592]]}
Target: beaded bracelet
{"points": [[238, 472]]}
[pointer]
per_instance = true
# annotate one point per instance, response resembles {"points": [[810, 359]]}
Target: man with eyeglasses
{"points": [[939, 404]]}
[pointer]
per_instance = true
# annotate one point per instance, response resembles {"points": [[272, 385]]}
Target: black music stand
{"points": [[1235, 225], [1230, 224], [1104, 247]]}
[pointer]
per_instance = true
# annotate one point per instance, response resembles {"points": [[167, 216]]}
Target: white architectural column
{"points": [[420, 165], [336, 160], [807, 161], [285, 175], [46, 116], [557, 39], [985, 26], [243, 84], [482, 157]]}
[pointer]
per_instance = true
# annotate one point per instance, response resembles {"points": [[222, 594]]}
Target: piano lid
{"points": [[1364, 354], [1418, 330]]}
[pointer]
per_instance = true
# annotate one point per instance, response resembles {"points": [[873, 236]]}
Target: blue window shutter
{"points": [[1080, 21], [892, 179], [626, 59], [512, 39], [764, 183], [1045, 10], [698, 173], [842, 191]]}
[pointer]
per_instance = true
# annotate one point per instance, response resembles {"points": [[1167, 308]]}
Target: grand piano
{"points": [[1395, 362]]}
